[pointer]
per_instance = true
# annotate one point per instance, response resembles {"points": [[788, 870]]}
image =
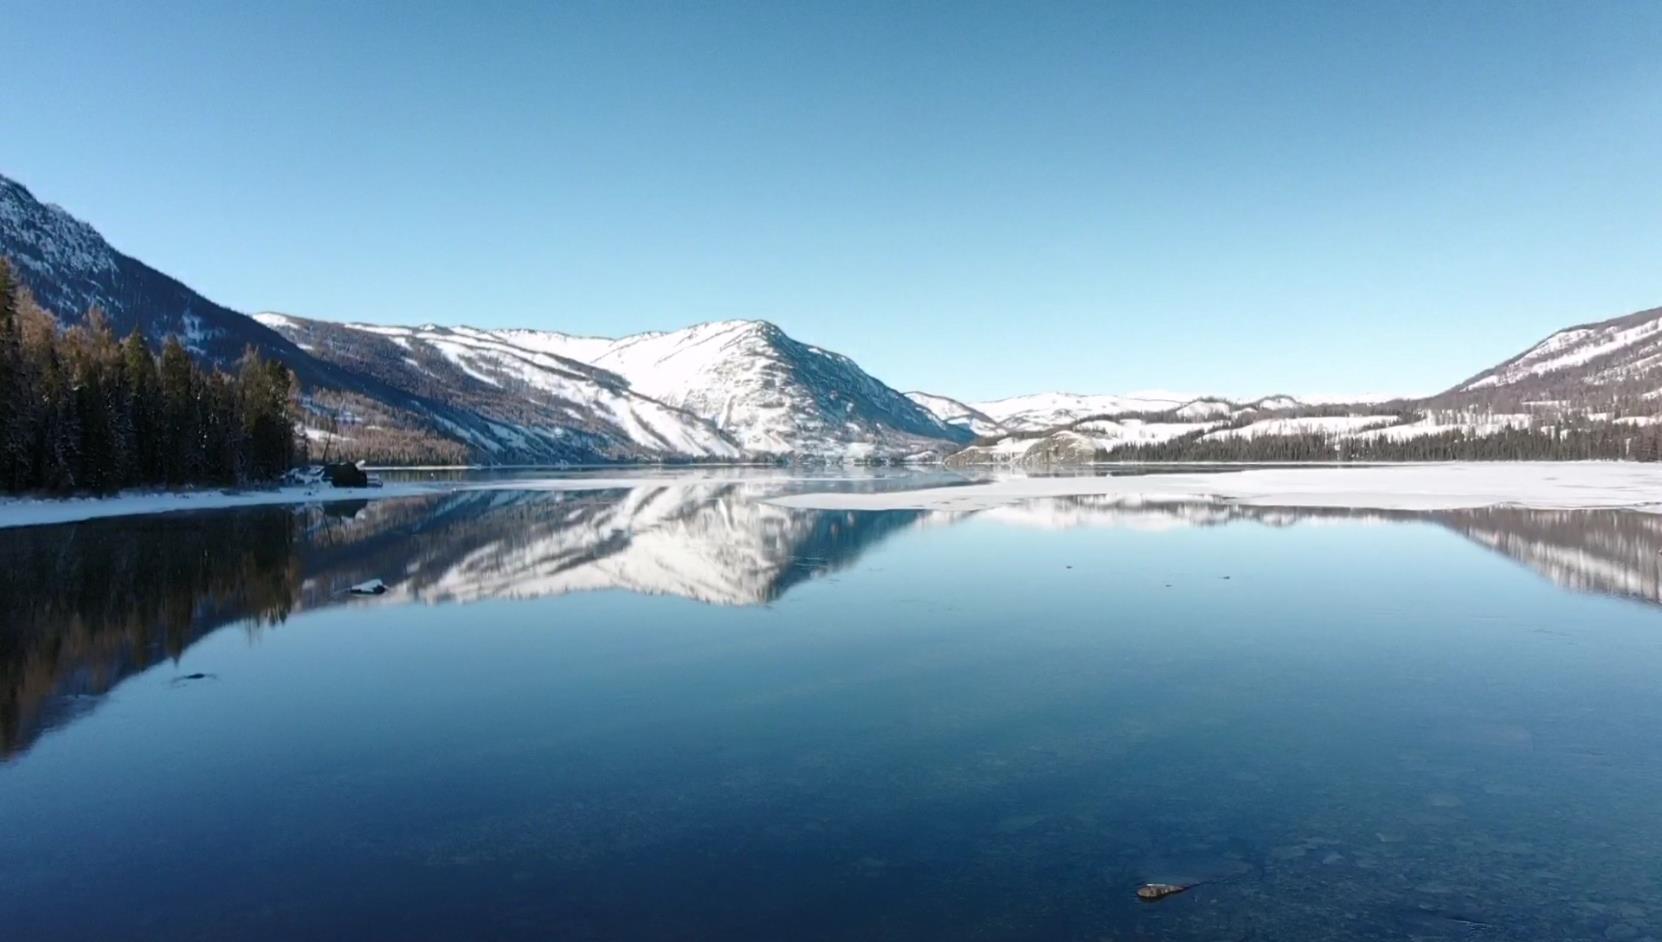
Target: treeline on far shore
{"points": [[1588, 441], [82, 410]]}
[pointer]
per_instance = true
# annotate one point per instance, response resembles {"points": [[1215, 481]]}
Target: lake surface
{"points": [[674, 711]]}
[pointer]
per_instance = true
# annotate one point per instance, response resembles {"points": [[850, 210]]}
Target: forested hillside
{"points": [[81, 410]]}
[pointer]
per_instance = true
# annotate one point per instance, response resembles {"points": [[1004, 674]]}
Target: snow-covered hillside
{"points": [[1097, 439], [1587, 366], [70, 268], [1305, 425], [1082, 442], [774, 395], [1040, 411], [537, 406], [724, 390], [958, 414]]}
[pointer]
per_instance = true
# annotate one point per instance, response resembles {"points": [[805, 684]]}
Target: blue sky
{"points": [[975, 199]]}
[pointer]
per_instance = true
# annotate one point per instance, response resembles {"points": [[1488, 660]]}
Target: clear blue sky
{"points": [[976, 199]]}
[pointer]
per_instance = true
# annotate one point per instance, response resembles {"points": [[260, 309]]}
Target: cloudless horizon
{"points": [[975, 199]]}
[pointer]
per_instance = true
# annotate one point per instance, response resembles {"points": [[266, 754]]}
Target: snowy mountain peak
{"points": [[723, 390], [521, 403], [773, 394], [45, 239], [957, 414]]}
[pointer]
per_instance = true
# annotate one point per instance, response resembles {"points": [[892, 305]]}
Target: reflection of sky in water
{"points": [[949, 728]]}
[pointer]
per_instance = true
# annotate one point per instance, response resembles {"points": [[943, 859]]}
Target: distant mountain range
{"points": [[745, 391], [1593, 390], [720, 391], [733, 390]]}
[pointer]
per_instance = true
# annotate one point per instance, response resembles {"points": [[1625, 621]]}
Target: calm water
{"points": [[676, 712]]}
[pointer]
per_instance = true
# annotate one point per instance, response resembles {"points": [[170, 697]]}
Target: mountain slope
{"points": [[718, 391], [1040, 411], [535, 406], [958, 414], [1588, 366], [773, 394], [69, 268]]}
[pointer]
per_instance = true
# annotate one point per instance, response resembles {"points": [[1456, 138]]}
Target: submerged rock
{"points": [[1152, 892]]}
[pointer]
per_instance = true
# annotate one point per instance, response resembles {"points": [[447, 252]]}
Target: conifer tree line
{"points": [[1603, 441], [81, 410]]}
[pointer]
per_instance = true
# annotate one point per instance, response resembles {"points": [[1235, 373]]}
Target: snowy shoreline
{"points": [[1545, 485], [43, 511], [39, 511], [1580, 485]]}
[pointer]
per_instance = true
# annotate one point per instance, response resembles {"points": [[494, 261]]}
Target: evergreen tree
{"points": [[263, 396], [143, 409], [13, 390], [181, 435], [100, 402]]}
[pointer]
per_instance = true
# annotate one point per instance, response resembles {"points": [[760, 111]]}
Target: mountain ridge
{"points": [[366, 396], [735, 390]]}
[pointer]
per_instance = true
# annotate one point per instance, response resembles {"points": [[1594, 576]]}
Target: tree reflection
{"points": [[88, 604]]}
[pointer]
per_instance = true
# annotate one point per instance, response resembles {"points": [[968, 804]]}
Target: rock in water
{"points": [[1152, 892], [372, 587], [346, 474]]}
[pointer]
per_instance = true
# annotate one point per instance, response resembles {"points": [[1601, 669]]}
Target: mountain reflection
{"points": [[716, 543], [90, 604], [86, 605], [1610, 552]]}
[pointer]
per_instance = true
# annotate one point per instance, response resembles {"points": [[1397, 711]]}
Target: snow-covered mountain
{"points": [[70, 268], [1589, 366], [722, 391], [535, 406], [773, 394], [745, 390], [958, 414], [717, 391], [1040, 411]]}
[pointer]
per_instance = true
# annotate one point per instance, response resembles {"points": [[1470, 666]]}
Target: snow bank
{"points": [[1551, 485], [28, 512], [1558, 485]]}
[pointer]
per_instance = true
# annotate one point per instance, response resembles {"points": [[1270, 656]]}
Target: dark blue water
{"points": [[679, 713]]}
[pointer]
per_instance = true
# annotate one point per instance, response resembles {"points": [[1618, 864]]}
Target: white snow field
{"points": [[1548, 485], [32, 511], [1555, 485]]}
